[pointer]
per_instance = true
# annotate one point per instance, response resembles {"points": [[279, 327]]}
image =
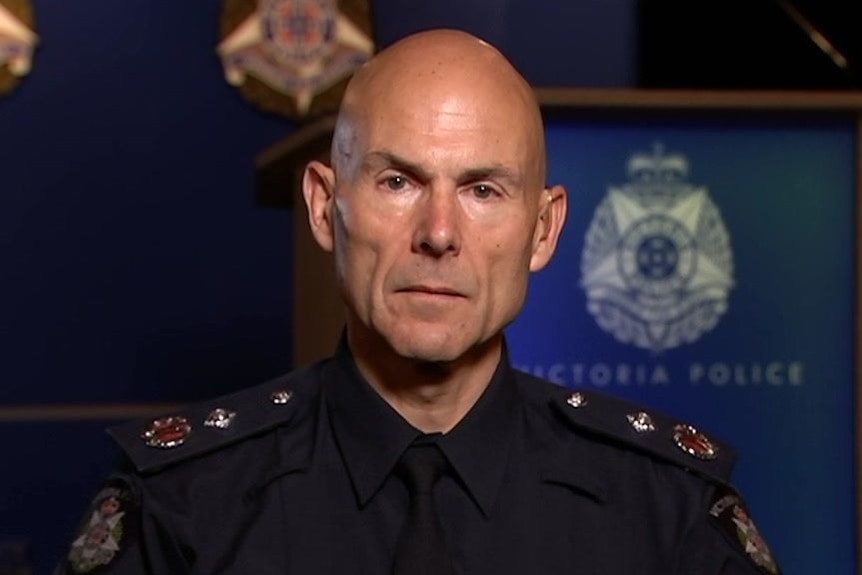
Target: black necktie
{"points": [[422, 546]]}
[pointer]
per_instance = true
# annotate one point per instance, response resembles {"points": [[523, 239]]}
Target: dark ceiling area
{"points": [[759, 44]]}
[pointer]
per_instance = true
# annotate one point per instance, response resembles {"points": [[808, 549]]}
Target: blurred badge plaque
{"points": [[657, 264], [294, 57], [17, 42]]}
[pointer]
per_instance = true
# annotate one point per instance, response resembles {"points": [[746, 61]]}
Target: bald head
{"points": [[435, 206], [440, 75]]}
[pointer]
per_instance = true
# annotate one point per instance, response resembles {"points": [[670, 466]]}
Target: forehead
{"points": [[444, 125]]}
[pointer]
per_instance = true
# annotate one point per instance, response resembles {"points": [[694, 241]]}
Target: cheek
{"points": [[508, 247], [508, 264], [363, 240], [508, 276]]}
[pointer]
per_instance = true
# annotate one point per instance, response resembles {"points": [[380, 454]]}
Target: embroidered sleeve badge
{"points": [[104, 529], [730, 514]]}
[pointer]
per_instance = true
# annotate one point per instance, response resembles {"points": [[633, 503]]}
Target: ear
{"points": [[549, 226], [318, 188]]}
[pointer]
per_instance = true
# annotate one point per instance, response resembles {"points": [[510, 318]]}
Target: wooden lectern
{"points": [[318, 314]]}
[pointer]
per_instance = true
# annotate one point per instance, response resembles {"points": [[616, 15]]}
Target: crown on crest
{"points": [[658, 166]]}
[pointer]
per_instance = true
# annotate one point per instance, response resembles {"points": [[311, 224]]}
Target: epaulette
{"points": [[647, 431], [154, 443]]}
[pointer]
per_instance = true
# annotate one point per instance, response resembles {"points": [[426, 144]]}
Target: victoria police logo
{"points": [[294, 57], [657, 265], [17, 42]]}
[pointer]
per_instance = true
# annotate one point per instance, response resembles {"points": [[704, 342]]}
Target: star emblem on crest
{"points": [[657, 251]]}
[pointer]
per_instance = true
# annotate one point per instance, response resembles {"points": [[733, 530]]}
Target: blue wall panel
{"points": [[135, 263], [774, 377]]}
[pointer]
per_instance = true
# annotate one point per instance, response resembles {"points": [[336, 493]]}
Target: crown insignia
{"points": [[657, 167]]}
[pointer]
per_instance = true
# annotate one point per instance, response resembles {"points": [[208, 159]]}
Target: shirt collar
{"points": [[371, 435], [478, 447]]}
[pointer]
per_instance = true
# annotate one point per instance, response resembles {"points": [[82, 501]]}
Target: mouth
{"points": [[431, 291]]}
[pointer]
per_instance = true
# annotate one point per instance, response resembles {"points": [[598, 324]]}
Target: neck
{"points": [[432, 396]]}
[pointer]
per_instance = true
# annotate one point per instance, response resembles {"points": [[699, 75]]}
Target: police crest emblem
{"points": [[17, 42], [294, 57], [104, 529], [657, 265]]}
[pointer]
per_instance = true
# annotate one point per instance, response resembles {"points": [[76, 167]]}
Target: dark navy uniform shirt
{"points": [[540, 483]]}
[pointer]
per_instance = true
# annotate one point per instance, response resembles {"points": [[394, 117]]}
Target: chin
{"points": [[430, 347]]}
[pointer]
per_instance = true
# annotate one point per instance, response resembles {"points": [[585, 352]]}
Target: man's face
{"points": [[435, 222]]}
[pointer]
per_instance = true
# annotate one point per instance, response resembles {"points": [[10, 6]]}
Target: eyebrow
{"points": [[495, 171], [395, 161]]}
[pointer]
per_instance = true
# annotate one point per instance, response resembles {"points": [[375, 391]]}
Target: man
{"points": [[417, 449]]}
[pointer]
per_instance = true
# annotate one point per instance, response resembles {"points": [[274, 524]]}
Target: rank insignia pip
{"points": [[641, 422], [733, 519], [294, 57], [105, 529], [220, 418], [577, 400]]}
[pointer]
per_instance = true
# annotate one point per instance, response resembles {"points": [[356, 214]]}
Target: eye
{"points": [[395, 182], [484, 191]]}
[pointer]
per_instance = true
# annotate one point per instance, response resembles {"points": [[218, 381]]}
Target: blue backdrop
{"points": [[774, 375]]}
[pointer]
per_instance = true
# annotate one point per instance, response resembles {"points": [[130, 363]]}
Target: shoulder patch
{"points": [[152, 444], [106, 530], [648, 431], [730, 515]]}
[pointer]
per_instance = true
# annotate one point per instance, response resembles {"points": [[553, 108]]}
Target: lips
{"points": [[431, 290]]}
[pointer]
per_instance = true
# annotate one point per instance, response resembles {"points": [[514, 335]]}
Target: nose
{"points": [[438, 228]]}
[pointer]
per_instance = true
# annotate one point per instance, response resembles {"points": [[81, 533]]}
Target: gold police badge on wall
{"points": [[17, 42], [294, 57]]}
